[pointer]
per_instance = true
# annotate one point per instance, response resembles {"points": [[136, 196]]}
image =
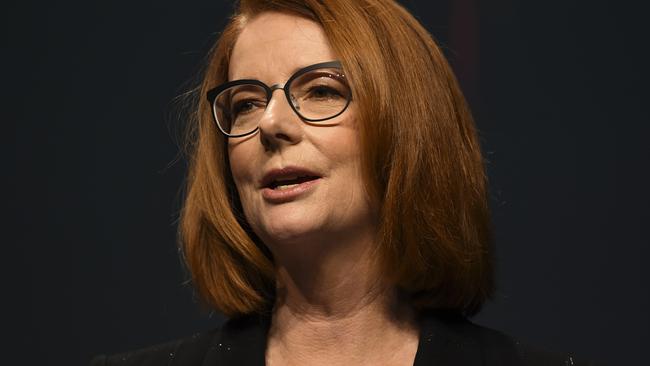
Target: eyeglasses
{"points": [[316, 93]]}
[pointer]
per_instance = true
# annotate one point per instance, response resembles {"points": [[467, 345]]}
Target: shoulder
{"points": [[187, 351], [448, 336], [239, 341]]}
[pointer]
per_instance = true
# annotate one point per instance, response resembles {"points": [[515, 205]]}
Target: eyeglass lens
{"points": [[315, 95]]}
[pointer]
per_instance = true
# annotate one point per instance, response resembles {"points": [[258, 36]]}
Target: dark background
{"points": [[559, 90]]}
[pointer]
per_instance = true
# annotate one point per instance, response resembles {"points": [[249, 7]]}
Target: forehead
{"points": [[274, 45]]}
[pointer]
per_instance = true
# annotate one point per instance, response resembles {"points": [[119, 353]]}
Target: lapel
{"points": [[444, 341], [242, 341]]}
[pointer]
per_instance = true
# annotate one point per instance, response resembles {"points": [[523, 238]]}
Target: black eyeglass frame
{"points": [[213, 93]]}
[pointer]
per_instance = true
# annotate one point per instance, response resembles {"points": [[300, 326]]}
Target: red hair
{"points": [[421, 159]]}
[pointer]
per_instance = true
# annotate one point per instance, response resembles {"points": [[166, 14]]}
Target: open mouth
{"points": [[290, 182]]}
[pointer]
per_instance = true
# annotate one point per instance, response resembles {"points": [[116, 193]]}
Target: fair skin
{"points": [[333, 307]]}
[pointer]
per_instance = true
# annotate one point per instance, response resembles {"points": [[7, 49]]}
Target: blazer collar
{"points": [[242, 341], [444, 341]]}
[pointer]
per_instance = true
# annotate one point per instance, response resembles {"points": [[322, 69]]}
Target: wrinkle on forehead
{"points": [[274, 45]]}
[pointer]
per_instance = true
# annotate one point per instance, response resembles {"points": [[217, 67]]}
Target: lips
{"points": [[287, 177], [287, 184]]}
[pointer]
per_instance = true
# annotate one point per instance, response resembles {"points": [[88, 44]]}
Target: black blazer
{"points": [[445, 339]]}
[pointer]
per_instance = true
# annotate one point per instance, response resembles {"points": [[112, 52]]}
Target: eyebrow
{"points": [[295, 70]]}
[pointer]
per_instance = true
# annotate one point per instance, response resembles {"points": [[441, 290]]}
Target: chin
{"points": [[290, 228]]}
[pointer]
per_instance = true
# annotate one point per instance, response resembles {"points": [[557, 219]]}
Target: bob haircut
{"points": [[421, 159]]}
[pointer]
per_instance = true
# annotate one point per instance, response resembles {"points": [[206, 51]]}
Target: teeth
{"points": [[284, 179], [283, 187]]}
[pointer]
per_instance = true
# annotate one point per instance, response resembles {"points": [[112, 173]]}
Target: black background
{"points": [[559, 90]]}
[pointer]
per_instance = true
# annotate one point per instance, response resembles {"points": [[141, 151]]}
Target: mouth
{"points": [[282, 184], [288, 177], [287, 184]]}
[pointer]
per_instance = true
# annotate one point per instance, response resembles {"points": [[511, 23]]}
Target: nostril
{"points": [[282, 136], [271, 142]]}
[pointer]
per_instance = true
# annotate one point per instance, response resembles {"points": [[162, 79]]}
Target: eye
{"points": [[323, 92], [246, 106]]}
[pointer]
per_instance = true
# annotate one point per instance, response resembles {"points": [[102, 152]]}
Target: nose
{"points": [[279, 124]]}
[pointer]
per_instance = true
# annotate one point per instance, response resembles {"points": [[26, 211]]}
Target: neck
{"points": [[334, 303]]}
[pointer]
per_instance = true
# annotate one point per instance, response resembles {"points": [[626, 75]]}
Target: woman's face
{"points": [[271, 48]]}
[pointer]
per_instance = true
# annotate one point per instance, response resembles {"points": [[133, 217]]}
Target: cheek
{"points": [[340, 146], [242, 167]]}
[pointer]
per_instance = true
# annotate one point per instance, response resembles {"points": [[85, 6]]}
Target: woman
{"points": [[336, 208]]}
